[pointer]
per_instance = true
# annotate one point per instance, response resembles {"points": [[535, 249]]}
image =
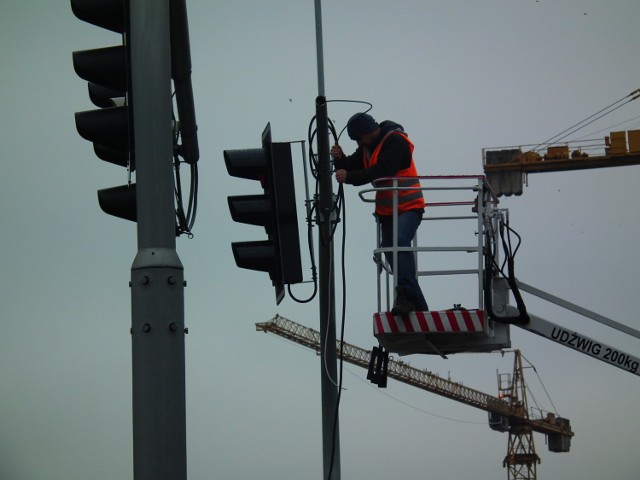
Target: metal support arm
{"points": [[576, 340]]}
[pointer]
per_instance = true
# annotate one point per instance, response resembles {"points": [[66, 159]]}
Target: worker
{"points": [[384, 150]]}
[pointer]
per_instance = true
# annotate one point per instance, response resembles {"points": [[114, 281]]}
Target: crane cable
{"points": [[541, 383], [589, 120], [632, 126]]}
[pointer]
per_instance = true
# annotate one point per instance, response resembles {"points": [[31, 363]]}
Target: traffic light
{"points": [[108, 72], [275, 210]]}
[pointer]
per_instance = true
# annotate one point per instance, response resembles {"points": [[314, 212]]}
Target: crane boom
{"points": [[505, 167], [556, 427]]}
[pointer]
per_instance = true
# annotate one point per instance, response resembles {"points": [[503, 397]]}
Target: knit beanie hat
{"points": [[359, 124]]}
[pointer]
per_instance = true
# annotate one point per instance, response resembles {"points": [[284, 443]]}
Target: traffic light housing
{"points": [[274, 209], [108, 73]]}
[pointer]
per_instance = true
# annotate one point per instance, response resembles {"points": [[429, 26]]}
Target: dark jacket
{"points": [[395, 155]]}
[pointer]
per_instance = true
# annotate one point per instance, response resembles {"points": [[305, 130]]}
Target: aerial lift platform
{"points": [[483, 326], [469, 201]]}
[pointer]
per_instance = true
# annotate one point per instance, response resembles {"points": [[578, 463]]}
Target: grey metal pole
{"points": [[328, 356], [319, 47], [157, 280]]}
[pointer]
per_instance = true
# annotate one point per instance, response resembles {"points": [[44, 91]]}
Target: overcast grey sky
{"points": [[459, 76]]}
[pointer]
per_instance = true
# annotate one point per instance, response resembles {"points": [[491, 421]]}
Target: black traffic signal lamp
{"points": [[274, 209], [110, 127]]}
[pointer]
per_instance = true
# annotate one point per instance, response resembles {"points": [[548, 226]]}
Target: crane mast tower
{"points": [[521, 458]]}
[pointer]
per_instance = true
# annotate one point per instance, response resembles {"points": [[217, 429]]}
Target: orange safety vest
{"points": [[408, 198]]}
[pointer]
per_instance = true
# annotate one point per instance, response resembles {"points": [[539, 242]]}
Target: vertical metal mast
{"points": [[329, 377], [521, 459], [157, 280], [319, 47]]}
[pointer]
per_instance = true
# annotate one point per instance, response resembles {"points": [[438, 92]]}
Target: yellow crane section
{"points": [[505, 413], [506, 168]]}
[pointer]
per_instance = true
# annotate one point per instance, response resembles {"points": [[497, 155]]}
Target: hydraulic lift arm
{"points": [[576, 340]]}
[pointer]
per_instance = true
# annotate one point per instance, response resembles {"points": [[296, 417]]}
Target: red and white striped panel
{"points": [[456, 321]]}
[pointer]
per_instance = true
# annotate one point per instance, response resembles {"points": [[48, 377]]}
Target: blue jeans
{"points": [[408, 223]]}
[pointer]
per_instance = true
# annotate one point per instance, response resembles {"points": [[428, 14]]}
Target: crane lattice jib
{"points": [[405, 373]]}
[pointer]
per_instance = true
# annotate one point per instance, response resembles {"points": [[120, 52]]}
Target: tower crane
{"points": [[507, 413]]}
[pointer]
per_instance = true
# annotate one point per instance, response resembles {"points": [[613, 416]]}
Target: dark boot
{"points": [[403, 304]]}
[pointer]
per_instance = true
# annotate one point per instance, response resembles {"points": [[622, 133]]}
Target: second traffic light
{"points": [[275, 210]]}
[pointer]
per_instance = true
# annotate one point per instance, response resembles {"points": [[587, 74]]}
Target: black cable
{"points": [[312, 162], [311, 134], [509, 252], [491, 267], [511, 277], [351, 101], [177, 188], [342, 325], [193, 201], [314, 270], [337, 210], [185, 221], [340, 211]]}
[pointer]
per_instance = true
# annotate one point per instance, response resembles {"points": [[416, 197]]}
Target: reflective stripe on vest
{"points": [[409, 193]]}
